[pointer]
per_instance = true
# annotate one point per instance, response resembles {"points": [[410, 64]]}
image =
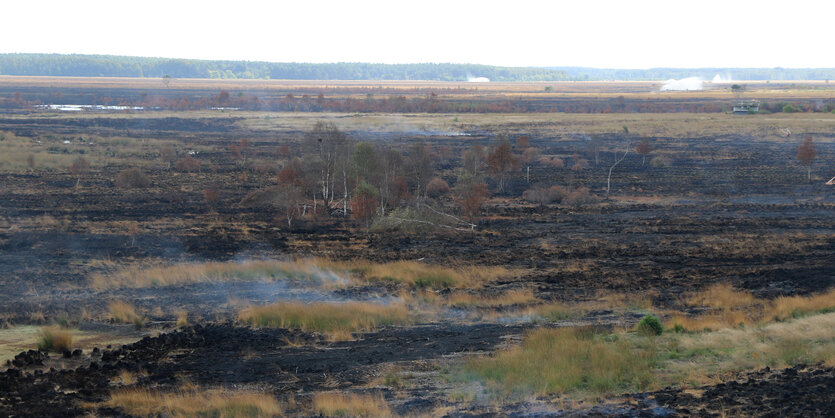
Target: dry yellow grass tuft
{"points": [[337, 320], [124, 313], [786, 307], [182, 318], [509, 298], [333, 404], [420, 275], [700, 358], [722, 296], [316, 271], [192, 403], [55, 339], [732, 308]]}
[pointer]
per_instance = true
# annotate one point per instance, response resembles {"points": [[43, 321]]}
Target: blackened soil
{"points": [[799, 391], [225, 355]]}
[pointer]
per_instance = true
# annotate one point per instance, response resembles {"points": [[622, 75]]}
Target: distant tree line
{"points": [[656, 74], [123, 66]]}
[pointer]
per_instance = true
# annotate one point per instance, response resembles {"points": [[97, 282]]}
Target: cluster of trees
{"points": [[124, 66], [339, 176]]}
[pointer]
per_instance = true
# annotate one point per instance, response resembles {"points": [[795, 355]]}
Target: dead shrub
{"points": [[132, 178], [187, 164], [437, 187], [560, 194]]}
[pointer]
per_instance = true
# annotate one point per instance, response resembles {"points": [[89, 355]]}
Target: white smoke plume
{"points": [[719, 79], [472, 79], [685, 84]]}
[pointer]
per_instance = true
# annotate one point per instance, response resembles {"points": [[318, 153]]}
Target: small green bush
{"points": [[650, 325], [789, 109]]}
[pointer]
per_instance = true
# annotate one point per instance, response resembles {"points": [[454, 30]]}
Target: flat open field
{"points": [[439, 277], [409, 96]]}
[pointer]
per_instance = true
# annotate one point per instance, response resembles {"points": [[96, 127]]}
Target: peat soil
{"points": [[223, 355], [290, 364], [727, 209]]}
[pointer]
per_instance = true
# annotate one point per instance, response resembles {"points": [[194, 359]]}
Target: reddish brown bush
{"points": [[437, 187], [211, 196], [552, 161], [806, 154], [132, 178], [187, 163], [471, 197], [541, 195]]}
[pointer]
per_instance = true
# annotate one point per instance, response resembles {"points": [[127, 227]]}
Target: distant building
{"points": [[746, 107]]}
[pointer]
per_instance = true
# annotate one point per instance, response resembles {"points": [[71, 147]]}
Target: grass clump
{"points": [[124, 313], [332, 404], [194, 403], [186, 273], [314, 271], [650, 326], [699, 358], [55, 339], [559, 360], [182, 318], [731, 308], [338, 320], [509, 298]]}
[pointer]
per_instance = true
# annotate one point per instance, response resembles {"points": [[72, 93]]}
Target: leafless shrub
{"points": [[132, 178], [437, 187], [560, 194]]}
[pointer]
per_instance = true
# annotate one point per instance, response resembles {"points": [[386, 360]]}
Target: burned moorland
{"points": [[227, 249]]}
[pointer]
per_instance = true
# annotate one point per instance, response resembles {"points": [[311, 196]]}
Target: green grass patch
{"points": [[559, 360]]}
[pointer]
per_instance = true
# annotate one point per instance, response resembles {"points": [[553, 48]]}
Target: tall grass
{"points": [[699, 358], [125, 313], [55, 339], [509, 298], [338, 320], [331, 404], [167, 275], [729, 307], [559, 360], [211, 403], [318, 271], [582, 362]]}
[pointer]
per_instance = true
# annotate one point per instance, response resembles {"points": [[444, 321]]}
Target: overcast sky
{"points": [[612, 34]]}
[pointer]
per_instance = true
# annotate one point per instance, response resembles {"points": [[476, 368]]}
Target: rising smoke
{"points": [[472, 79], [685, 84]]}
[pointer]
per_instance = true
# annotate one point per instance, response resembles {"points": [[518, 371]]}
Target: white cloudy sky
{"points": [[620, 34]]}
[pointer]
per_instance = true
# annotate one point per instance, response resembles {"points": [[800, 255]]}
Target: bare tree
{"points": [[474, 163], [806, 154], [325, 142], [501, 162], [79, 167], [643, 149], [617, 161], [419, 168], [167, 153], [391, 168]]}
